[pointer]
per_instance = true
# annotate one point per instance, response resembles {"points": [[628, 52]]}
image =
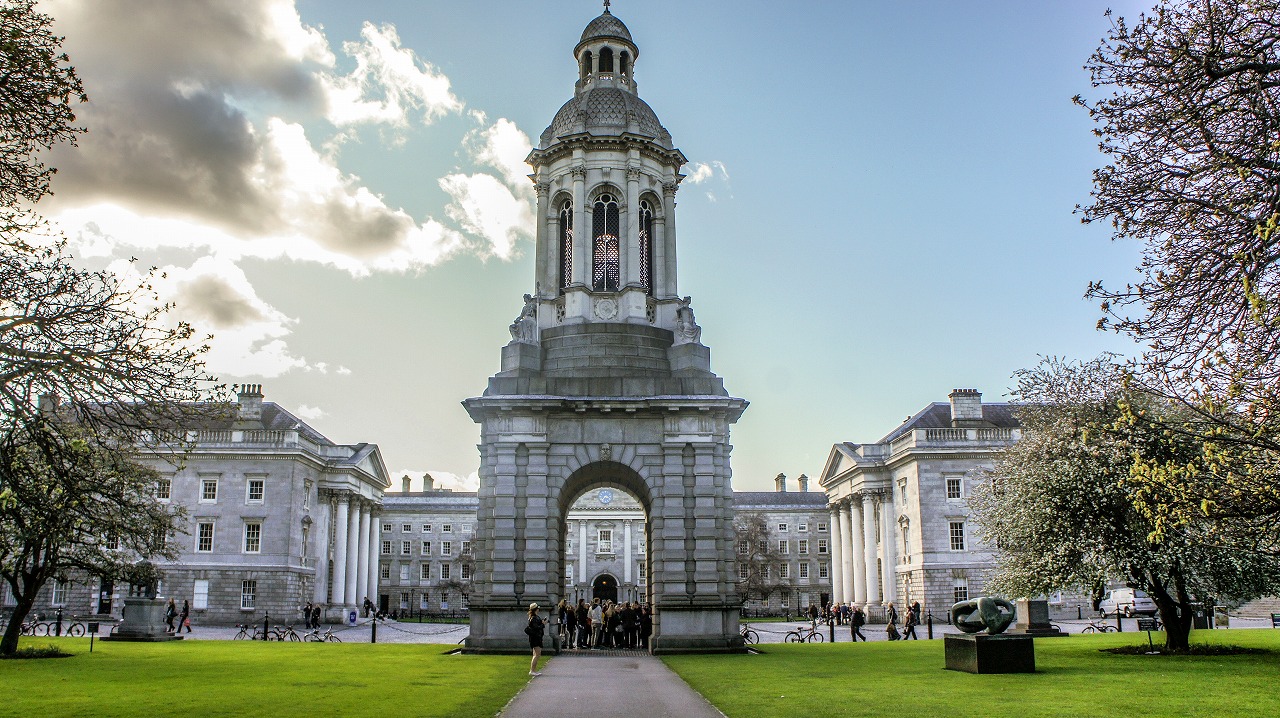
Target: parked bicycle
{"points": [[285, 633], [248, 632], [1095, 627], [748, 635], [804, 634], [317, 637]]}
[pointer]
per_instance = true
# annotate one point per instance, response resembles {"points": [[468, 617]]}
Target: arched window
{"points": [[606, 60], [586, 65], [566, 244], [604, 245], [646, 246], [624, 63]]}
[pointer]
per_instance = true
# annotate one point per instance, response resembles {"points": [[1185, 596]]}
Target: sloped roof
{"points": [[790, 499], [1000, 415]]}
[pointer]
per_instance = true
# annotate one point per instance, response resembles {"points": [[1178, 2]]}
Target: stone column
{"points": [[630, 254], [837, 570], [658, 272], [581, 228], [341, 526], [869, 550], [362, 558], [889, 540], [848, 558], [856, 552], [546, 243], [322, 547], [582, 551], [372, 582], [626, 533], [669, 232], [353, 552]]}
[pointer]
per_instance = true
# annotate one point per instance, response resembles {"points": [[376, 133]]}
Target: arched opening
{"points": [[565, 230], [624, 63], [646, 246], [605, 251], [605, 532], [606, 60], [586, 66]]}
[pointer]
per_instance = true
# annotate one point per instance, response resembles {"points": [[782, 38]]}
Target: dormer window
{"points": [[605, 273]]}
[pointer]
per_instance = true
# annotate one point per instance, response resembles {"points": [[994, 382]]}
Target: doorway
{"points": [[605, 588]]}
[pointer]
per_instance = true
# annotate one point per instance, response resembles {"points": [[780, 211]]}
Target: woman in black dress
{"points": [[534, 632]]}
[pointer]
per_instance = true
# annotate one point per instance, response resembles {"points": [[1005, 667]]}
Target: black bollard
{"points": [[832, 626], [375, 630], [59, 626], [1079, 613], [1119, 625], [266, 626], [929, 623]]}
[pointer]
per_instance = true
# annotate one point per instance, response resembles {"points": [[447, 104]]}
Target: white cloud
{"points": [[703, 171], [310, 413], [487, 208], [387, 83], [502, 146]]}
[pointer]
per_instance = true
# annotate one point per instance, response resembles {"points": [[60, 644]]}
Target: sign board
{"points": [[93, 626], [353, 617], [1147, 624]]}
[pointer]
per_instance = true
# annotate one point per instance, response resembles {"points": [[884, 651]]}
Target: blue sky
{"points": [[878, 206]]}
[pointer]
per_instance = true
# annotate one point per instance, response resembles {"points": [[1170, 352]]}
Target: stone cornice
{"points": [[482, 407], [566, 144]]}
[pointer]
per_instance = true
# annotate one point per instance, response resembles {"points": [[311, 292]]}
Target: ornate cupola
{"points": [[606, 174]]}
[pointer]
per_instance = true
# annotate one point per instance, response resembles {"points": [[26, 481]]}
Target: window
{"points": [[784, 570], [604, 246], [445, 571], [424, 572], [446, 528], [254, 492], [59, 594], [426, 601], [164, 488], [466, 528], [824, 571], [404, 600], [446, 548], [822, 545], [208, 490], [804, 570], [566, 244], [902, 492], [646, 246], [252, 537], [742, 572], [642, 575], [406, 548], [822, 527], [406, 528], [248, 595], [568, 547], [386, 548], [960, 589], [957, 535], [906, 544], [426, 548], [784, 547], [955, 487], [568, 571], [466, 571], [802, 527], [744, 547], [426, 528], [306, 494], [763, 546], [306, 532], [604, 543], [386, 528], [385, 573], [204, 537], [804, 547], [782, 528], [404, 573], [466, 548], [200, 594]]}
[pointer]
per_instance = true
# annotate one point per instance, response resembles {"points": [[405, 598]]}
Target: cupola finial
{"points": [[606, 5]]}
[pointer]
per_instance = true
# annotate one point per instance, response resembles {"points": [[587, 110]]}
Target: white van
{"points": [[1127, 601]]}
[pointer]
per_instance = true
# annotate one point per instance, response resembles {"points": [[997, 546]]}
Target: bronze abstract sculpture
{"points": [[992, 614]]}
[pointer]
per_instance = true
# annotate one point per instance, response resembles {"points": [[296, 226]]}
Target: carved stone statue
{"points": [[525, 328], [992, 614], [687, 329]]}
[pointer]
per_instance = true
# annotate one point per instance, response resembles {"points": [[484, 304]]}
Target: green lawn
{"points": [[243, 678], [1073, 679]]}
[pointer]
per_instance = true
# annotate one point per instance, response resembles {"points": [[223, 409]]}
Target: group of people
{"points": [[854, 617], [311, 614], [604, 624], [183, 619]]}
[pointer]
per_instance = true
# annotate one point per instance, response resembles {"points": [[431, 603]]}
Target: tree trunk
{"points": [[9, 644], [1177, 628]]}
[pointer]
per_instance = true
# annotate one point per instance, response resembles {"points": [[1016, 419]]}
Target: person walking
{"points": [[186, 616], [813, 616], [563, 610], [596, 616], [170, 613], [306, 615], [857, 619], [909, 623], [646, 626], [892, 614], [534, 631], [315, 616], [584, 623]]}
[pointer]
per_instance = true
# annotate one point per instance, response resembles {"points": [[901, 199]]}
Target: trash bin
{"points": [[1200, 619], [1221, 618]]}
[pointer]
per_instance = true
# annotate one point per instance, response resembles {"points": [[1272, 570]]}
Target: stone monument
{"points": [[993, 651], [1033, 620], [143, 615], [606, 381]]}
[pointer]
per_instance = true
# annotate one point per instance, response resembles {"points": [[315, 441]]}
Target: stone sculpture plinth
{"points": [[1033, 620], [143, 622], [984, 653]]}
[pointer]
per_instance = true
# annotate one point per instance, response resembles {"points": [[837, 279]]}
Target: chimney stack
{"points": [[428, 482], [804, 482], [780, 481], [404, 484], [249, 400], [966, 407]]}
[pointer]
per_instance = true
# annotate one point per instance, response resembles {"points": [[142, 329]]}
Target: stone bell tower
{"points": [[606, 381]]}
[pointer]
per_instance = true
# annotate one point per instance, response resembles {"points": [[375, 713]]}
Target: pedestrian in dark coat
{"points": [[186, 616], [857, 619], [534, 631]]}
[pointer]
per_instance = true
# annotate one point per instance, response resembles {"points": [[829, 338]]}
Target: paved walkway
{"points": [[594, 685]]}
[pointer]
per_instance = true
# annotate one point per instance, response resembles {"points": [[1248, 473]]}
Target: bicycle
{"points": [[282, 633], [804, 634], [749, 636], [1095, 627], [248, 633], [317, 637]]}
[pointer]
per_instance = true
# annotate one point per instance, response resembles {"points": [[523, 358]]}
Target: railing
{"points": [[921, 438]]}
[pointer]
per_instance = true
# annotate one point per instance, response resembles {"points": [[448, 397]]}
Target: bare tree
{"points": [[759, 562]]}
